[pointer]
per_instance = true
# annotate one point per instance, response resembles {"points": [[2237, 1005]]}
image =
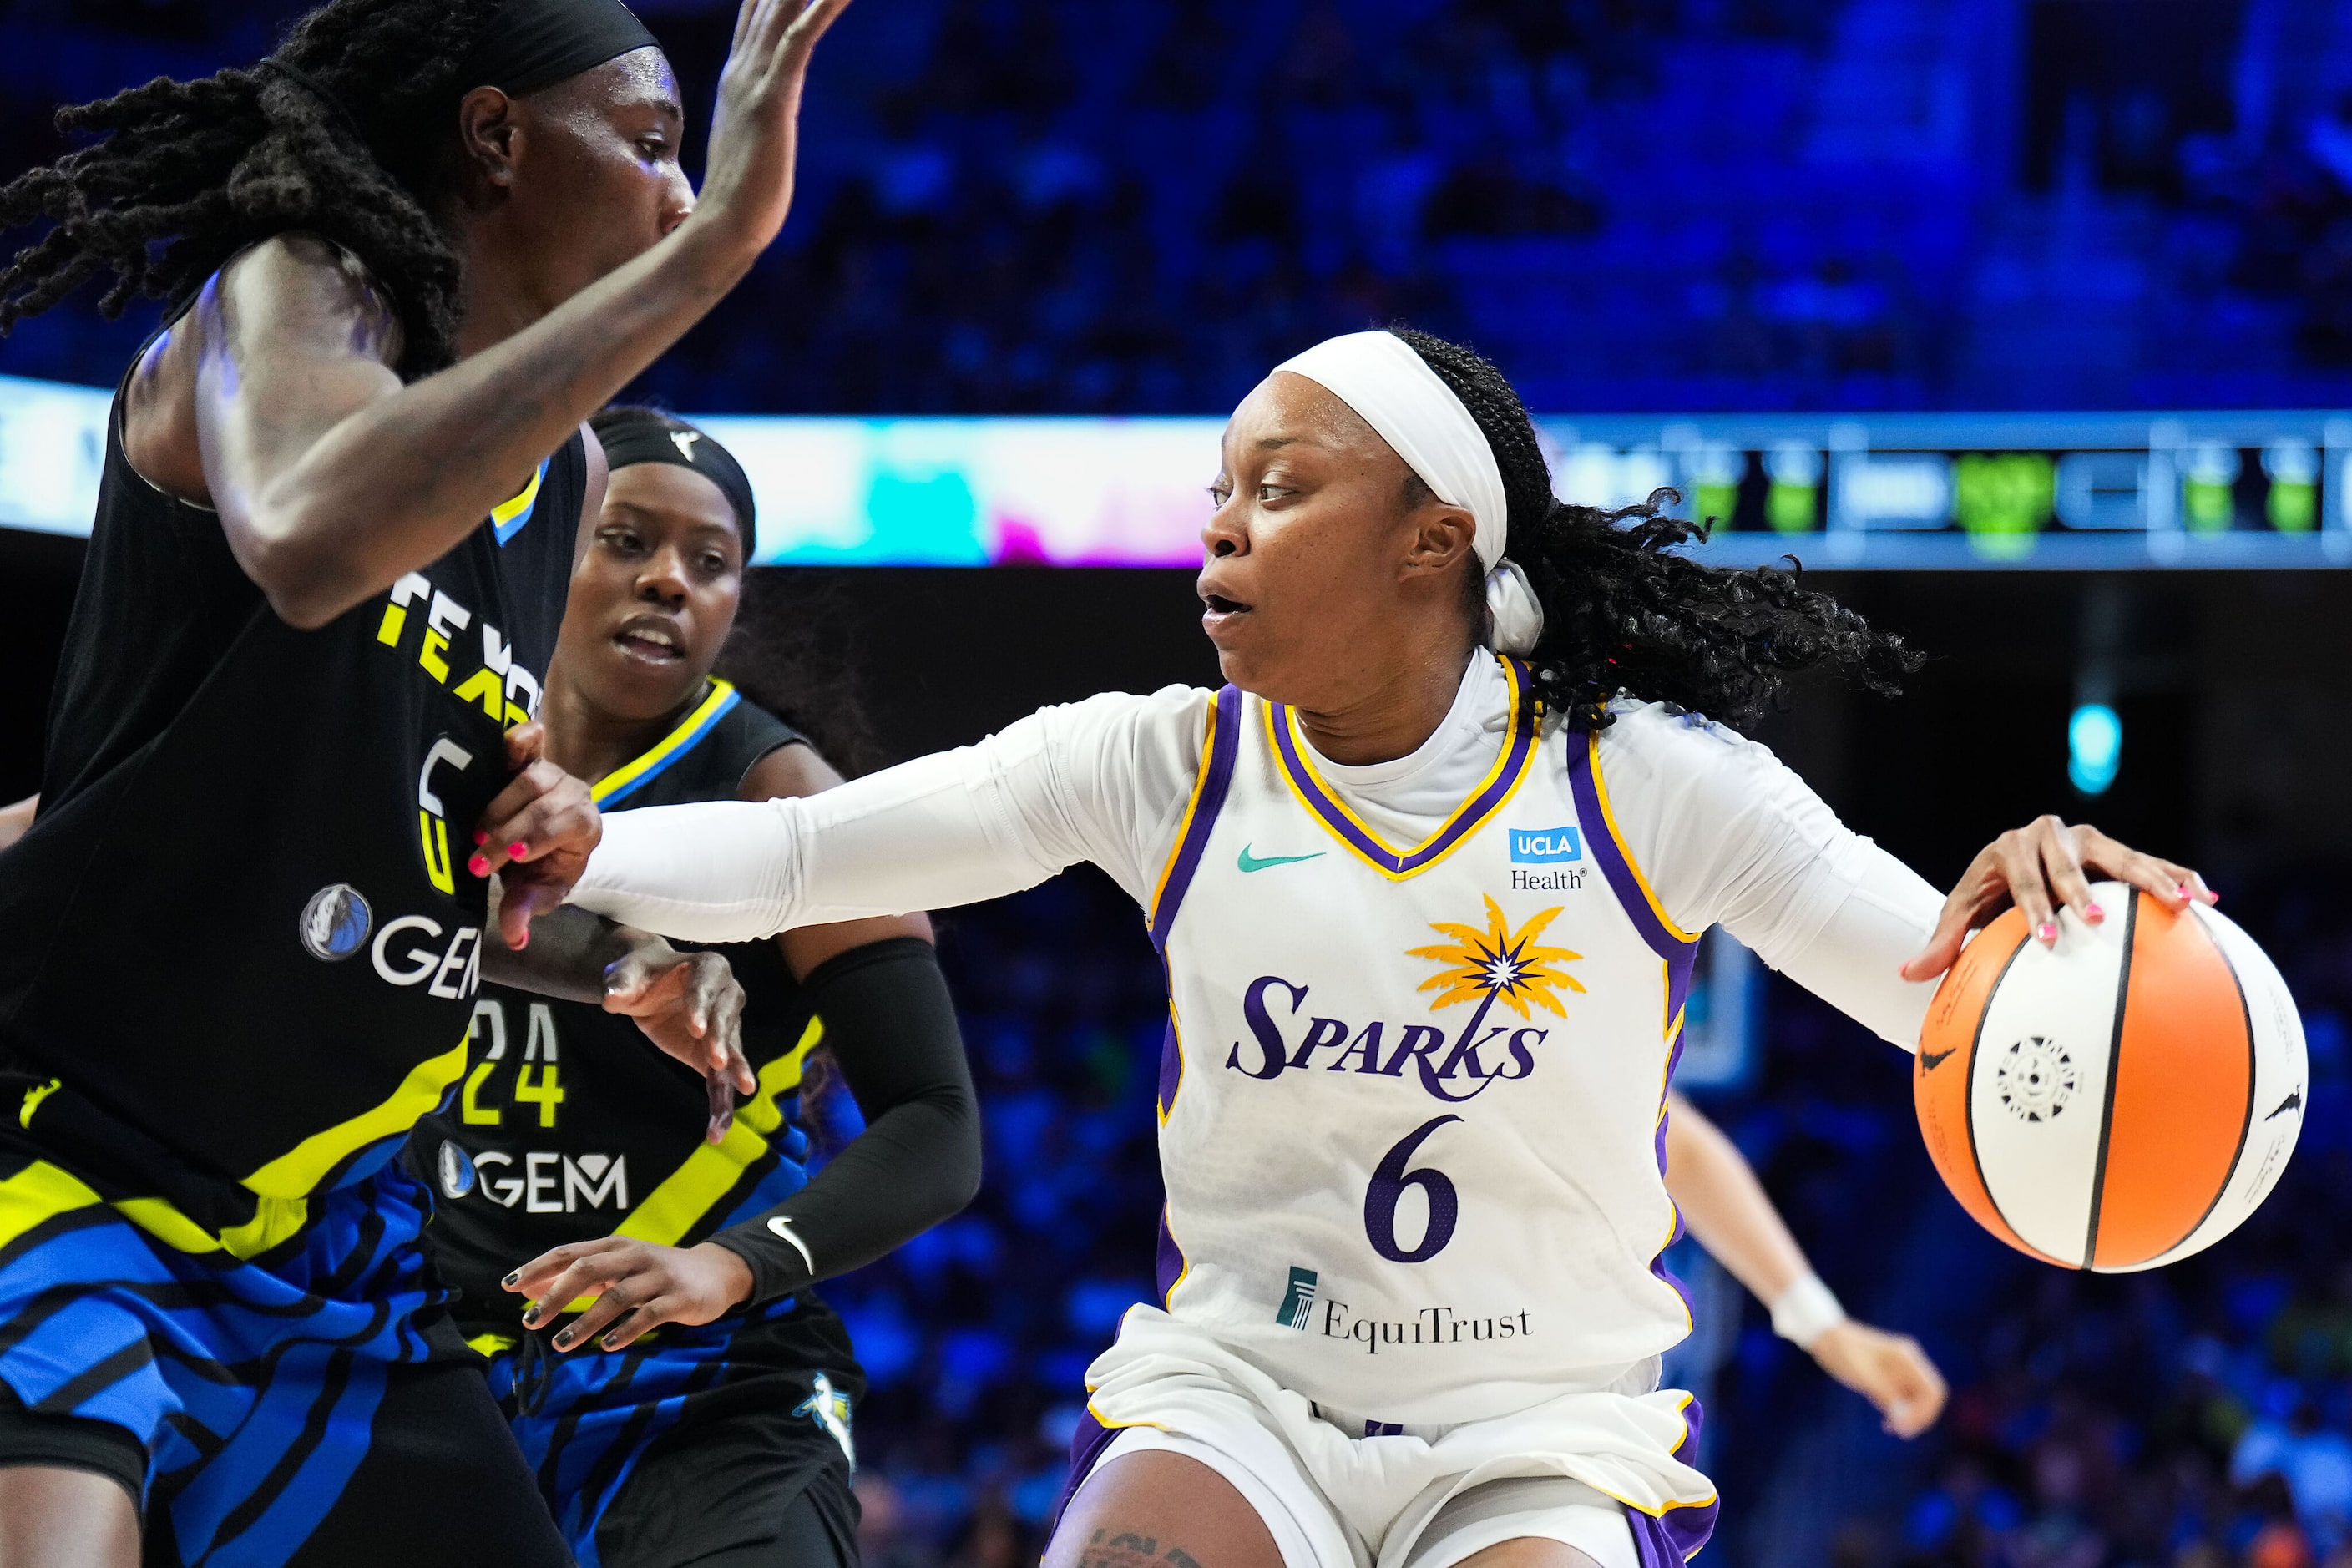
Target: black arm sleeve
{"points": [[892, 1028]]}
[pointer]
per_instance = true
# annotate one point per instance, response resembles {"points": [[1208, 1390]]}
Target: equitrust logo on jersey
{"points": [[1298, 1301]]}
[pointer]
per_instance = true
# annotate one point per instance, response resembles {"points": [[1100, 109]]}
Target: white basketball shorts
{"points": [[1597, 1471]]}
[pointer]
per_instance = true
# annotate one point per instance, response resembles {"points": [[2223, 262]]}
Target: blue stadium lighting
{"points": [[2095, 748]]}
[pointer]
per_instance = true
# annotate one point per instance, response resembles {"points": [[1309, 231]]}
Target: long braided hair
{"points": [[189, 172], [1622, 614]]}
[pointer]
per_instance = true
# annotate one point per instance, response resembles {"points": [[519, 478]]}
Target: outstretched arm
{"points": [[1728, 1211], [1104, 780], [302, 426], [1726, 834], [891, 1029]]}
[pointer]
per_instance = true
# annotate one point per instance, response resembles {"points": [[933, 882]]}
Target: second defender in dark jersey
{"points": [[406, 257], [711, 1422]]}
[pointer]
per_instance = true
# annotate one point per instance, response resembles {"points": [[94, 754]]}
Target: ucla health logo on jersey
{"points": [[1545, 846], [1555, 848], [1483, 968]]}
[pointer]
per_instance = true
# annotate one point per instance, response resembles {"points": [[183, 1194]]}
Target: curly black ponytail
{"points": [[189, 172], [1621, 614]]}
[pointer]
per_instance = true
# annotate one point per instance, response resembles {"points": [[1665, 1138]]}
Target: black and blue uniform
{"points": [[238, 957], [727, 1443]]}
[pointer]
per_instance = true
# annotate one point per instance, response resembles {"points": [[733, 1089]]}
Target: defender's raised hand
{"points": [[747, 184]]}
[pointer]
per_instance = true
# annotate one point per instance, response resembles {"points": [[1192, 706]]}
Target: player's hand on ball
{"points": [[536, 836], [1889, 1369], [637, 1284], [691, 1005], [2038, 868]]}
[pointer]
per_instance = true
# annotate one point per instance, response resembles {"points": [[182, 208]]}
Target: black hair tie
{"points": [[316, 90]]}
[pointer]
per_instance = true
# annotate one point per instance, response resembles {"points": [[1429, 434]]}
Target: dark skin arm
{"points": [[656, 1284], [275, 403]]}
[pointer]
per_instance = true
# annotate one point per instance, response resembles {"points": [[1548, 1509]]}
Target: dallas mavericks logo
{"points": [[1298, 1301], [456, 1172], [830, 1410], [335, 922]]}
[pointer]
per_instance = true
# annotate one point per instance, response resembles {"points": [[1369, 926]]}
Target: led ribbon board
{"points": [[1914, 492]]}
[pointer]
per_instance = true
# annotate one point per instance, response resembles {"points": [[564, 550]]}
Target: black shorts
{"points": [[319, 1413], [741, 1492], [435, 1437], [726, 1445]]}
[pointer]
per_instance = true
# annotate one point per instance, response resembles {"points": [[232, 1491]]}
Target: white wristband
{"points": [[1805, 1311]]}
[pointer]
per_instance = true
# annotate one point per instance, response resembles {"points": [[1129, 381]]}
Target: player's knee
{"points": [[1157, 1509], [1529, 1551]]}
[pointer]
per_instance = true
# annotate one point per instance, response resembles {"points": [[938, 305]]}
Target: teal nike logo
{"points": [[1250, 862]]}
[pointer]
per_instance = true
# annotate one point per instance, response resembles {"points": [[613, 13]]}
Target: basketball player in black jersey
{"points": [[572, 1152], [406, 257]]}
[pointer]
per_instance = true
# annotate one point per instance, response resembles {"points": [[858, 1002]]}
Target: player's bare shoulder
{"points": [[291, 298]]}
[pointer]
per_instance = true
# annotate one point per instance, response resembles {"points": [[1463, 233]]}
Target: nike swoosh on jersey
{"points": [[1249, 862], [1931, 1060]]}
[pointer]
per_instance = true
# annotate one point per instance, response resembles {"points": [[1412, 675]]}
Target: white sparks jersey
{"points": [[1411, 1107]]}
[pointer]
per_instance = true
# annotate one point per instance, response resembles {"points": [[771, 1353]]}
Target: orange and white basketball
{"points": [[2121, 1100]]}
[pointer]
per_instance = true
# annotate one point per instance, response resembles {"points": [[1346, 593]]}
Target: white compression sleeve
{"points": [[1728, 833], [1101, 781], [915, 837]]}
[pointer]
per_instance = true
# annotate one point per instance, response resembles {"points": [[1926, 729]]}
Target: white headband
{"points": [[1393, 390]]}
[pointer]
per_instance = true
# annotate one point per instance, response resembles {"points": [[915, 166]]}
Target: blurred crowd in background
{"points": [[1050, 206], [2196, 1417]]}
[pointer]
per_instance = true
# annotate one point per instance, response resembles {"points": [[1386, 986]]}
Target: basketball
{"points": [[2120, 1100]]}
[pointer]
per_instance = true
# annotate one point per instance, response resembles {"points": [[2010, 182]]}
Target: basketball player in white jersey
{"points": [[1427, 879]]}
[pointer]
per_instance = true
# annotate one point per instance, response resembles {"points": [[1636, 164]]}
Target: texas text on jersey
{"points": [[291, 986]]}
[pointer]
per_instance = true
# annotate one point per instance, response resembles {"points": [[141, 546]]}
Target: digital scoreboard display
{"points": [[2063, 489], [1915, 492]]}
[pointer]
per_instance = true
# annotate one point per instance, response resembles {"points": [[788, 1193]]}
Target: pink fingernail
{"points": [[523, 940], [2093, 912], [2047, 931], [518, 849], [2187, 892], [480, 866], [481, 835]]}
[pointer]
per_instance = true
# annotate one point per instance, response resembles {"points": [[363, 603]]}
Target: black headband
{"points": [[636, 437], [529, 44]]}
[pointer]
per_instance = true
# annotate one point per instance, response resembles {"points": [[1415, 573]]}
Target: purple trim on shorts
{"points": [[1670, 1539], [1224, 743], [1087, 1445]]}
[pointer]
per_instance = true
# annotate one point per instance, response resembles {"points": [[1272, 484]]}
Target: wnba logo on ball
{"points": [[2036, 1078]]}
